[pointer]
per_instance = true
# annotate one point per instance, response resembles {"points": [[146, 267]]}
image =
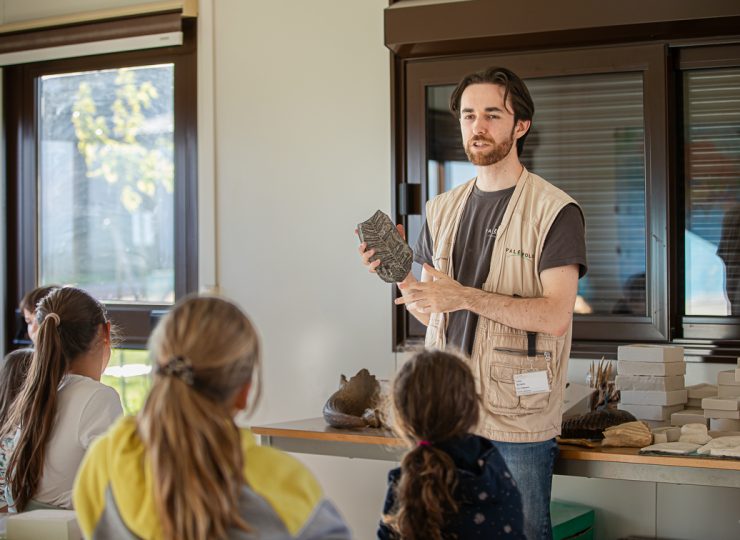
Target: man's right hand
{"points": [[367, 254]]}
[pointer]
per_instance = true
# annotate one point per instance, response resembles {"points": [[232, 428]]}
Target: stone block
{"points": [[727, 391], [650, 382], [702, 390], [693, 403], [724, 424], [650, 412], [627, 367], [688, 416], [654, 397], [727, 378], [721, 404], [718, 413], [650, 353]]}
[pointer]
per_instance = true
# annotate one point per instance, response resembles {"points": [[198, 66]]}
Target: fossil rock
{"points": [[395, 255], [356, 404], [592, 424], [633, 434]]}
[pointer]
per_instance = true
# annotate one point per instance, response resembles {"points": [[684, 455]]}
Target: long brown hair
{"points": [[434, 400], [12, 375], [69, 325], [186, 423]]}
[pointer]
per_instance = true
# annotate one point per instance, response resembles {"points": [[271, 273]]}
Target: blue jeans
{"points": [[531, 465]]}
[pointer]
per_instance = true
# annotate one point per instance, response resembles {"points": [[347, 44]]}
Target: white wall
{"points": [[302, 154]]}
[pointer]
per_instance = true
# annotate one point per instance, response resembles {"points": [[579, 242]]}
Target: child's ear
{"points": [[242, 397]]}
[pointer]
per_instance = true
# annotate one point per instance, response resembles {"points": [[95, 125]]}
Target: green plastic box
{"points": [[571, 521]]}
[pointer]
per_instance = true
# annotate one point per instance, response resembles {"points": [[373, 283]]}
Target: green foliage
{"points": [[113, 149], [133, 389]]}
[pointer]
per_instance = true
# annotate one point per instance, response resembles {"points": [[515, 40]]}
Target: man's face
{"points": [[486, 123]]}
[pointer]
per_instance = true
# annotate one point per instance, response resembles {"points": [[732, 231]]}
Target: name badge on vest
{"points": [[531, 382]]}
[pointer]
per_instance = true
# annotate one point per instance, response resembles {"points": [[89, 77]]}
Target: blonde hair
{"points": [[434, 400], [69, 325], [186, 423]]}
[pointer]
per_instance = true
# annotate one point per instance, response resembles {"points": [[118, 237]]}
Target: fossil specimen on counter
{"points": [[633, 434], [592, 424], [380, 234], [356, 404]]}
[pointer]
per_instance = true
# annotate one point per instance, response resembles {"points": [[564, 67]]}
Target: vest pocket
{"points": [[505, 363]]}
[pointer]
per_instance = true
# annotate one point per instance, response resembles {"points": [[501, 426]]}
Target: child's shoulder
{"points": [[268, 468], [284, 482]]}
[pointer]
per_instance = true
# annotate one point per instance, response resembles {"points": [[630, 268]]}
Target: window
{"points": [[712, 176], [129, 372], [708, 283], [646, 137], [588, 137], [106, 182], [101, 163]]}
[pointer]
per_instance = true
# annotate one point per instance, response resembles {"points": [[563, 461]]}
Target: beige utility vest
{"points": [[500, 351]]}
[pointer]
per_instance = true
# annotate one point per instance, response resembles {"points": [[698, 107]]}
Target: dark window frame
{"points": [[706, 41], [134, 321], [695, 329]]}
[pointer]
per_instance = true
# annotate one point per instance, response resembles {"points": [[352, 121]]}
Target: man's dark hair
{"points": [[514, 88]]}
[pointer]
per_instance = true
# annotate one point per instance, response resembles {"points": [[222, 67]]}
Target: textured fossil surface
{"points": [[592, 424], [632, 434], [395, 255], [356, 404]]}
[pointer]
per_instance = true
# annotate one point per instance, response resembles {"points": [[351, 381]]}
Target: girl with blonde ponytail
{"points": [[62, 405], [182, 469], [451, 484]]}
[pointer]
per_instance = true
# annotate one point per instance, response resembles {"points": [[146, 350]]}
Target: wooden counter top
{"points": [[318, 429], [314, 436]]}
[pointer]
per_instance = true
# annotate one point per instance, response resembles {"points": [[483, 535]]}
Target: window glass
{"points": [[712, 161], [106, 182], [588, 138], [129, 373]]}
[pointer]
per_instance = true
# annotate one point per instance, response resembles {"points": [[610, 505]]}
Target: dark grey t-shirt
{"points": [[471, 258]]}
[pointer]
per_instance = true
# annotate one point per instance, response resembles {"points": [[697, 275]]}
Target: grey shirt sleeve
{"points": [[566, 241], [423, 252]]}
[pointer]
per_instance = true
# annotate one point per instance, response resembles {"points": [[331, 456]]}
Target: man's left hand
{"points": [[441, 295]]}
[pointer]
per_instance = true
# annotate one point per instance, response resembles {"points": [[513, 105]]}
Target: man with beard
{"points": [[502, 255]]}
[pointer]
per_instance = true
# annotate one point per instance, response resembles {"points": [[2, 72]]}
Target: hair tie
{"points": [[424, 443], [178, 367], [54, 317]]}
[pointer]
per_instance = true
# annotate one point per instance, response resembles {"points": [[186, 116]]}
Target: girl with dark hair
{"points": [[451, 484], [12, 375], [182, 469], [62, 405], [28, 307]]}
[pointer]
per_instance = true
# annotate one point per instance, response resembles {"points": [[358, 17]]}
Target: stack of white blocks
{"points": [[651, 381], [723, 410], [693, 414]]}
